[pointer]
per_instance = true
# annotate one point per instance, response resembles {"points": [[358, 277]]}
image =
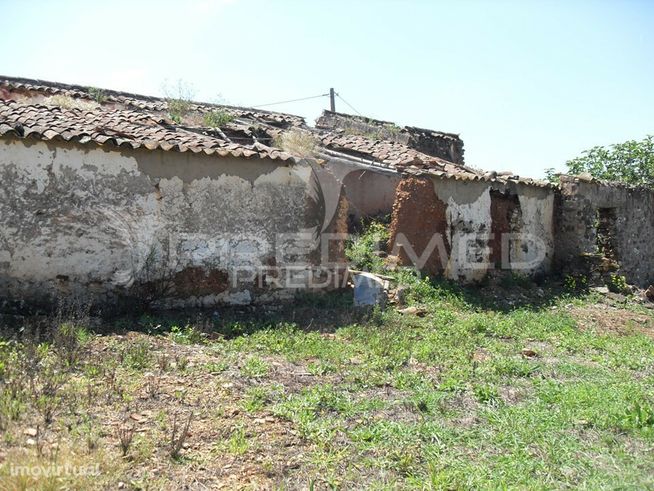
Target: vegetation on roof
{"points": [[179, 100], [297, 142], [67, 102], [217, 118]]}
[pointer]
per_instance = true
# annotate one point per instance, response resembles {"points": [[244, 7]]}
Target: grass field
{"points": [[522, 387]]}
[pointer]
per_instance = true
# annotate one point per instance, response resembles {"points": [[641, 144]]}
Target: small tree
{"points": [[631, 162]]}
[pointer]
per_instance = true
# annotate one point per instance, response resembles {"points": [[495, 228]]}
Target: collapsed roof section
{"points": [[445, 146]]}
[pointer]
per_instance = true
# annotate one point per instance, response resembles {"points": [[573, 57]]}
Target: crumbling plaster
{"points": [[77, 219], [468, 229]]}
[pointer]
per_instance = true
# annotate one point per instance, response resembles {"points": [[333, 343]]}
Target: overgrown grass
{"points": [[480, 393], [450, 401]]}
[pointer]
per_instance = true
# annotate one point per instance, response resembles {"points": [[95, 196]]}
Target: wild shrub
{"points": [[217, 118], [364, 251], [125, 434], [46, 391], [575, 282], [181, 362], [69, 330], [187, 335], [178, 435], [179, 101], [98, 95], [618, 284], [298, 143], [136, 354], [255, 367]]}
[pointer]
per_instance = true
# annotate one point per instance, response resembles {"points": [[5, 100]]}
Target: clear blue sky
{"points": [[527, 84]]}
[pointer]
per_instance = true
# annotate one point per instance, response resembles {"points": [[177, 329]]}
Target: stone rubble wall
{"points": [[629, 225]]}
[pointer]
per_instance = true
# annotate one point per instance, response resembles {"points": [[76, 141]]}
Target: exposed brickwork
{"points": [[505, 218], [199, 281], [419, 215]]}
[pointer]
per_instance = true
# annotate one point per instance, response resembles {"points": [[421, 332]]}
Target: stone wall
{"points": [[194, 229], [600, 224], [439, 144], [465, 229]]}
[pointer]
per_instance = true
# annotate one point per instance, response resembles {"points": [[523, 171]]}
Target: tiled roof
{"points": [[407, 161], [142, 102], [107, 125], [446, 146], [385, 153]]}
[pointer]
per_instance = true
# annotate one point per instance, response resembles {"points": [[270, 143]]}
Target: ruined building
{"points": [[120, 196]]}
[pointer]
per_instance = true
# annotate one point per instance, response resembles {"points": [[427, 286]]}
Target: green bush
{"points": [[98, 95], [216, 119], [362, 251], [575, 282], [617, 284], [187, 335]]}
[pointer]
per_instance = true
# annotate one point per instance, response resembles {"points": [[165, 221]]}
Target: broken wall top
{"points": [[446, 146]]}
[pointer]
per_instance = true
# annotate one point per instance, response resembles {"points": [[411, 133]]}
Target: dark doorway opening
{"points": [[506, 218], [606, 240]]}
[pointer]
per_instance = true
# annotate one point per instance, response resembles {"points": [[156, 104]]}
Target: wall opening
{"points": [[506, 218], [605, 230]]}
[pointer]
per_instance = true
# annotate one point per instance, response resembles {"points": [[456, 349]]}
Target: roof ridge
{"points": [[119, 93]]}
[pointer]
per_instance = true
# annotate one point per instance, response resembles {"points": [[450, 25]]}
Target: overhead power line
{"points": [[293, 100], [348, 104], [329, 94]]}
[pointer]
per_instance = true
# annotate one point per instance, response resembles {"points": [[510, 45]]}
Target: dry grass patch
{"points": [[298, 143], [609, 319], [67, 102]]}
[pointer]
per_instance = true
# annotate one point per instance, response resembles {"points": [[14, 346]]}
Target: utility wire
{"points": [[293, 100], [308, 98], [348, 104]]}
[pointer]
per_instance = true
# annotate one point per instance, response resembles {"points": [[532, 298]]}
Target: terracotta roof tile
{"points": [[143, 102], [390, 154], [122, 127]]}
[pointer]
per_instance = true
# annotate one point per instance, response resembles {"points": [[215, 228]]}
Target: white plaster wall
{"points": [[468, 224], [536, 251], [469, 220], [82, 219]]}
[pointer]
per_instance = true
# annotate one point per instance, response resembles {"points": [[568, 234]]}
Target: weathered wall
{"points": [[85, 220], [368, 191], [448, 146], [483, 227], [632, 235]]}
